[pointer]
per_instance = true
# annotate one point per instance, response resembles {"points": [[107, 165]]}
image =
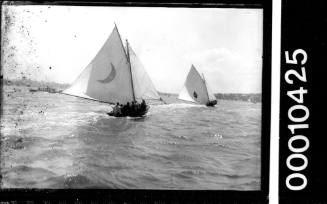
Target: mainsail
{"points": [[195, 89], [114, 75]]}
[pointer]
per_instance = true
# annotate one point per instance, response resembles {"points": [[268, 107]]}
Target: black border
{"points": [[303, 26], [197, 196]]}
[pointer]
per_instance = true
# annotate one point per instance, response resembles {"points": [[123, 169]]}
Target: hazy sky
{"points": [[225, 44]]}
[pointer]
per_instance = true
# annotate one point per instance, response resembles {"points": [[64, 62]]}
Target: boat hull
{"points": [[212, 103], [137, 113]]}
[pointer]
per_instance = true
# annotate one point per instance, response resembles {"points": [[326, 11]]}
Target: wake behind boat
{"points": [[116, 75], [196, 89]]}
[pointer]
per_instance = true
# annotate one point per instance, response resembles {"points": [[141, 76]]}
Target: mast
{"points": [[127, 56], [205, 84], [120, 40], [130, 69]]}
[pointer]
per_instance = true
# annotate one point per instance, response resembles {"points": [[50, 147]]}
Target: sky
{"points": [[55, 43]]}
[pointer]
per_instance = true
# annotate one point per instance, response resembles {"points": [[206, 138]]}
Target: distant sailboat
{"points": [[115, 75], [196, 89]]}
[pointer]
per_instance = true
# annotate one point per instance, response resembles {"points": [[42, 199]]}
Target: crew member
{"points": [[115, 109], [143, 105]]}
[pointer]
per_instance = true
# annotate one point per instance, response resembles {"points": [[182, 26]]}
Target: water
{"points": [[58, 141]]}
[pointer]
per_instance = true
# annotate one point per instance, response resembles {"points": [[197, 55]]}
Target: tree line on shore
{"points": [[34, 84], [249, 97]]}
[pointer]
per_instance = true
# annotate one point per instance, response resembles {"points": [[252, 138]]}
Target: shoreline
{"points": [[52, 87]]}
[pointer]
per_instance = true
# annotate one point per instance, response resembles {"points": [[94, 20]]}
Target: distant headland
{"points": [[249, 97], [53, 87], [34, 86]]}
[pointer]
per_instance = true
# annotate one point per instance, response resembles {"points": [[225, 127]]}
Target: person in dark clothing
{"points": [[129, 107], [133, 109], [119, 109], [138, 106], [126, 109], [115, 109], [143, 105]]}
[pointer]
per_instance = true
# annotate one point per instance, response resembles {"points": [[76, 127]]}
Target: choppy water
{"points": [[58, 141]]}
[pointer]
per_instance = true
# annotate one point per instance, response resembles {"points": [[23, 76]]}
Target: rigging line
{"points": [[130, 69], [127, 57], [111, 103]]}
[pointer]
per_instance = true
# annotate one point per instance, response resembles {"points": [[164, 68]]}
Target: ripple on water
{"points": [[74, 144], [23, 176]]}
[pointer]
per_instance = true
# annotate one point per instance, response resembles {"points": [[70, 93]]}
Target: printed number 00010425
{"points": [[297, 115]]}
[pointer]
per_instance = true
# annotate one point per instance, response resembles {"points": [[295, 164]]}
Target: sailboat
{"points": [[114, 75], [197, 90]]}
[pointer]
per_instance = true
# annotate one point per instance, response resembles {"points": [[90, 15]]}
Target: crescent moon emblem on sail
{"points": [[110, 77]]}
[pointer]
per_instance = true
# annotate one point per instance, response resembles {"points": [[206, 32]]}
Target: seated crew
{"points": [[143, 105], [130, 108], [115, 108], [133, 108], [119, 109], [126, 109], [137, 106]]}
